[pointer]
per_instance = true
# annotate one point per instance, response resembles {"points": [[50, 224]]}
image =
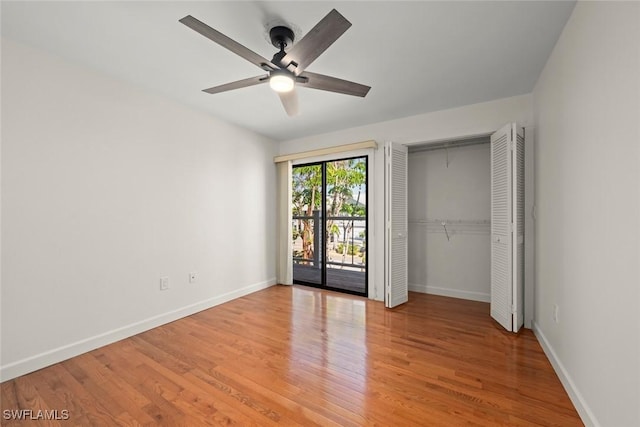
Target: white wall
{"points": [[105, 188], [471, 120], [460, 266], [587, 113]]}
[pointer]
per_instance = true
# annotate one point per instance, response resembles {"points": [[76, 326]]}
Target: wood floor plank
{"points": [[281, 394], [28, 395], [301, 356]]}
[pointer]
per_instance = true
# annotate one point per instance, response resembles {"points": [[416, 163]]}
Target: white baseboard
{"points": [[39, 361], [448, 292], [587, 416]]}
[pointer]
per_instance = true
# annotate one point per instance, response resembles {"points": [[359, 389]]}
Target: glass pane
{"points": [[306, 201], [346, 201]]}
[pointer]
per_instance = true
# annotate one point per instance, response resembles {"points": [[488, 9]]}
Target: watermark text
{"points": [[35, 414]]}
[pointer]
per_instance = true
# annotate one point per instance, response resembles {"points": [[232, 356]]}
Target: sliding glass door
{"points": [[307, 208], [329, 201]]}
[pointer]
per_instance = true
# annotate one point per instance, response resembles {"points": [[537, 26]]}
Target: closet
{"points": [[449, 219], [464, 233]]}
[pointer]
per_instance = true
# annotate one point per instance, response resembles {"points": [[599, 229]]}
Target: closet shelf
{"points": [[451, 221], [451, 227]]}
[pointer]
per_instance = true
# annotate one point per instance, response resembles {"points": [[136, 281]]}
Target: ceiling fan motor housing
{"points": [[281, 37]]}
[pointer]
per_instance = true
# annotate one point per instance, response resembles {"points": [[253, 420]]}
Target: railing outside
{"points": [[346, 243]]}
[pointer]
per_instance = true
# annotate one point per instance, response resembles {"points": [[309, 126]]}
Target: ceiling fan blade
{"points": [[289, 102], [332, 84], [237, 85], [316, 41], [226, 42]]}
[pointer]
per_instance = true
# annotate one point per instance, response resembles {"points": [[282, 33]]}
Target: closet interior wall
{"points": [[449, 220]]}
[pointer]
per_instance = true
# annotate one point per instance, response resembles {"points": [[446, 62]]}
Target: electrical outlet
{"points": [[193, 277], [556, 309], [164, 283]]}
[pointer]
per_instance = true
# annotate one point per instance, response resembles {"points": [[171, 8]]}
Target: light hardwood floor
{"points": [[300, 356]]}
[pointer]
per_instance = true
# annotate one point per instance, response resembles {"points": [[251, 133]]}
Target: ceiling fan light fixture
{"points": [[281, 82]]}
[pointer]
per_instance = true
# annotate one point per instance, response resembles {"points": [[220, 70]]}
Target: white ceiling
{"points": [[417, 56]]}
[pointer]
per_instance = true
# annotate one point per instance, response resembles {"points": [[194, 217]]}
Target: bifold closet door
{"points": [[507, 226], [396, 225], [518, 229]]}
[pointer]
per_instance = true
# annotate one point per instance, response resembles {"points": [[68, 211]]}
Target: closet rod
{"points": [[449, 144]]}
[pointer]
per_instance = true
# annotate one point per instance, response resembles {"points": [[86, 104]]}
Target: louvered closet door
{"points": [[501, 220], [518, 238], [396, 248]]}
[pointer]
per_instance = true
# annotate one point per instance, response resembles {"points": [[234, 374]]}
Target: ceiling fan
{"points": [[287, 68]]}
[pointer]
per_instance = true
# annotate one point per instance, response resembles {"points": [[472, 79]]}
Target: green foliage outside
{"points": [[345, 188], [352, 249]]}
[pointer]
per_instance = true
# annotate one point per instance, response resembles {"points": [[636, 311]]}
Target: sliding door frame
{"points": [[323, 230]]}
